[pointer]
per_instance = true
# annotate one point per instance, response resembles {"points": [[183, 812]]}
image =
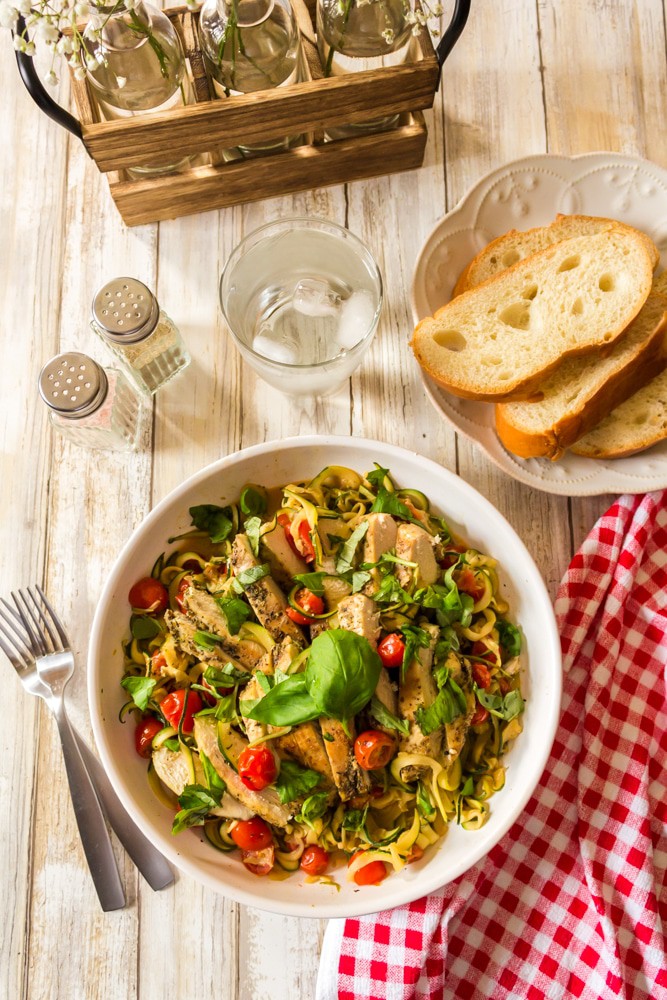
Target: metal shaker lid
{"points": [[125, 311], [73, 385]]}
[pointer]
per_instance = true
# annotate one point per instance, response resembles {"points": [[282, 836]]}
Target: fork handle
{"points": [[90, 820], [145, 855]]}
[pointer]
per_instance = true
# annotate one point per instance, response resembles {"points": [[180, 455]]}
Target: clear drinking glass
{"points": [[302, 300], [140, 68]]}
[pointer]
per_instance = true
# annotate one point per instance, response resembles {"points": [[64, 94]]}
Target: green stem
{"points": [[140, 28], [332, 48]]}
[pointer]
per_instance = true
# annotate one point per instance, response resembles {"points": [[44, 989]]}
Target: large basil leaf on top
{"points": [[342, 673]]}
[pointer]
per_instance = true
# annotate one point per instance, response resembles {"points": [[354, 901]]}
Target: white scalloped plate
{"points": [[526, 193]]}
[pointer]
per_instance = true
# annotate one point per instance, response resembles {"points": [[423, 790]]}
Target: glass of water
{"points": [[302, 300]]}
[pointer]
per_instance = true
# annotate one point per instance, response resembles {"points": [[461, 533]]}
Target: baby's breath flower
{"points": [[51, 79], [79, 73], [388, 35], [8, 15]]}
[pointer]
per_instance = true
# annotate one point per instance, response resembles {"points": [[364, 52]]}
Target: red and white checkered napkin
{"points": [[573, 900]]}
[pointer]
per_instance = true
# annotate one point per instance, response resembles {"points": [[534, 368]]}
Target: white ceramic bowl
{"points": [[469, 514]]}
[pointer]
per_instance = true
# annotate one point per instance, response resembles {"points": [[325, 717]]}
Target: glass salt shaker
{"points": [[91, 406], [128, 318]]}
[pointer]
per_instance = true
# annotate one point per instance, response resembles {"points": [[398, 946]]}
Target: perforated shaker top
{"points": [[125, 311], [73, 384]]}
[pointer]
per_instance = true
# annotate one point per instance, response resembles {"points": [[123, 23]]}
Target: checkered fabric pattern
{"points": [[573, 901]]}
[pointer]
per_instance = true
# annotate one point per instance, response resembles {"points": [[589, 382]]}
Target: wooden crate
{"points": [[302, 108]]}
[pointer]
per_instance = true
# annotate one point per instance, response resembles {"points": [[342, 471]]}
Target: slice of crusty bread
{"points": [[580, 393], [514, 246], [498, 341], [635, 425]]}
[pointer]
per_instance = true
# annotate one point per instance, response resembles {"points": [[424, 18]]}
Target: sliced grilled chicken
{"points": [[306, 745], [284, 562], [253, 692], [350, 779], [265, 803], [265, 596], [456, 731], [380, 538], [415, 545], [385, 694], [173, 770], [335, 588], [359, 613], [183, 629], [202, 608], [417, 689]]}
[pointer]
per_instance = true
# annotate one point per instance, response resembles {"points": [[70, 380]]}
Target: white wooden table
{"points": [[529, 76]]}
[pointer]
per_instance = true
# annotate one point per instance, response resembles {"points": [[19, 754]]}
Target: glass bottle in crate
{"points": [[135, 65], [128, 318], [358, 35], [89, 405], [251, 45]]}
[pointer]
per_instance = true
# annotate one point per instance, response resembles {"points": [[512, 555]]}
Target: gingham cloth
{"points": [[572, 902]]}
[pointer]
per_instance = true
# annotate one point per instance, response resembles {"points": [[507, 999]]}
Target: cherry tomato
{"points": [[416, 852], [285, 523], [144, 733], [179, 707], [149, 595], [311, 604], [179, 596], [251, 834], [257, 767], [371, 874], [314, 860], [481, 675], [468, 583], [373, 749], [504, 685], [480, 648], [391, 650], [307, 547], [451, 555], [158, 662], [259, 862], [479, 716]]}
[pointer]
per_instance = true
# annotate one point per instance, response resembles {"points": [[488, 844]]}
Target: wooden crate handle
{"points": [[453, 30]]}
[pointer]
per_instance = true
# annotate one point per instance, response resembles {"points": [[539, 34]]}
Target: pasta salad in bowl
{"points": [[336, 681]]}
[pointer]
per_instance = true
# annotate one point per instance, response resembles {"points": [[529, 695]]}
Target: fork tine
{"points": [[11, 648], [45, 620], [54, 616], [36, 639]]}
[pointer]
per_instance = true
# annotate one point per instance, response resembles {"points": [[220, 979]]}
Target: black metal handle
{"points": [[36, 89], [454, 29]]}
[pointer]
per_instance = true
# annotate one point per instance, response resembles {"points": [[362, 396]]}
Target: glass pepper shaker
{"points": [[128, 318], [91, 406]]}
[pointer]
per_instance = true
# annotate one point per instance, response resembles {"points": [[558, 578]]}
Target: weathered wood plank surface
{"points": [[524, 79]]}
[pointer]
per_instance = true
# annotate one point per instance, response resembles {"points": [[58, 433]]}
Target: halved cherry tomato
{"points": [[416, 852], [251, 834], [259, 862], [179, 596], [468, 583], [179, 707], [144, 733], [149, 595], [158, 662], [373, 749], [504, 685], [285, 523], [481, 675], [480, 648], [391, 650], [479, 716], [314, 860], [307, 547], [451, 555], [311, 604], [257, 767], [371, 874]]}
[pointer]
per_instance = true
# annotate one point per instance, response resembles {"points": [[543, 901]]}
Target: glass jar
{"points": [[251, 45], [128, 318], [89, 405], [136, 65], [357, 35]]}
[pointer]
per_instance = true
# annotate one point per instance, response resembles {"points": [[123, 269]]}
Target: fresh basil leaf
{"points": [[391, 592], [385, 718], [196, 803], [389, 503], [144, 627], [139, 689], [172, 744], [509, 637], [313, 807], [213, 779], [225, 677], [355, 819], [225, 709], [236, 612], [415, 638], [286, 704], [342, 673], [263, 681], [247, 577], [449, 704], [469, 787], [359, 580], [513, 705], [449, 603], [506, 708], [347, 553], [312, 582], [252, 501], [377, 477], [293, 781], [423, 802], [251, 528], [206, 640], [215, 521]]}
